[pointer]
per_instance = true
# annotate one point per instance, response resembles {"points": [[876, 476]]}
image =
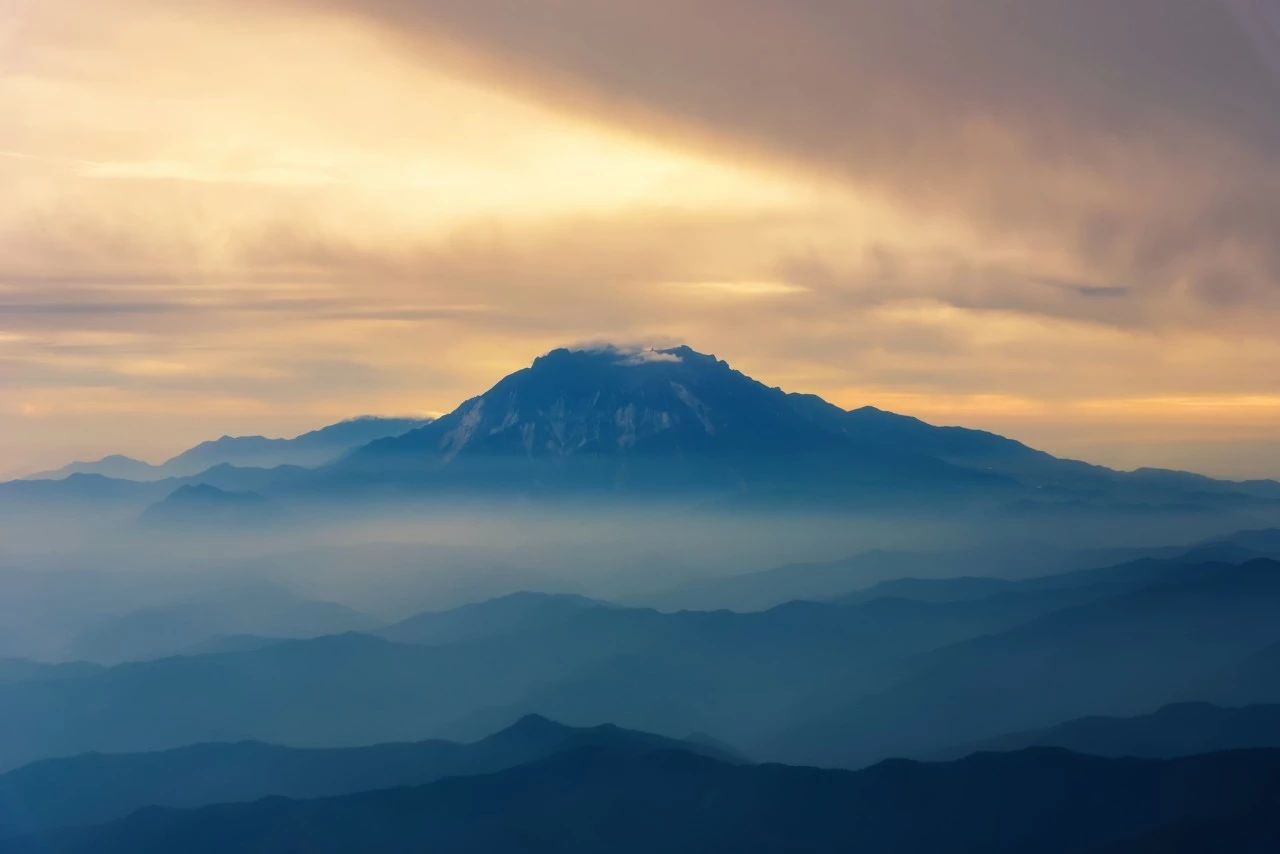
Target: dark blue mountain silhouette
{"points": [[678, 420], [814, 682], [97, 787], [669, 419], [516, 612], [1178, 729], [601, 799], [675, 422], [309, 449], [202, 504], [1174, 639]]}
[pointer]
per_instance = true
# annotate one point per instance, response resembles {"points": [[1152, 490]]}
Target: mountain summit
{"points": [[613, 401], [636, 419], [676, 420]]}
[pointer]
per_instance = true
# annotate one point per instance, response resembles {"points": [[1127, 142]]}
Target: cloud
{"points": [[1129, 142], [986, 212]]}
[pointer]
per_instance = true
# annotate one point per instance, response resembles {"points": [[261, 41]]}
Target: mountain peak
{"points": [[617, 354], [612, 401]]}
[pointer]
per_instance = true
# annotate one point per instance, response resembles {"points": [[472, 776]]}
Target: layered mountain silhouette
{"points": [[858, 577], [606, 799], [717, 672], [94, 788], [1178, 729], [214, 619], [200, 504], [676, 419], [1174, 639], [309, 449], [666, 420], [517, 612], [671, 423], [814, 682]]}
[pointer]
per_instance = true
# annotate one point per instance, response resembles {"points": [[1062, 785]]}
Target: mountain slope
{"points": [[175, 627], [1179, 729], [950, 573], [94, 788], [516, 612], [666, 420], [678, 419], [113, 466], [1118, 655], [1031, 802], [681, 424], [202, 504], [309, 449], [734, 675]]}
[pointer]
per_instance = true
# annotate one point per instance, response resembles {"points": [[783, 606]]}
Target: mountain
{"points": [[1256, 831], [675, 423], [21, 670], [1178, 729], [667, 420], [814, 682], [1118, 655], [515, 612], [738, 676], [114, 466], [754, 679], [859, 578], [178, 627], [601, 799], [309, 449], [94, 788], [202, 504]]}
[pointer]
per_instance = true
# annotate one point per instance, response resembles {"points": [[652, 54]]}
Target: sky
{"points": [[1055, 219]]}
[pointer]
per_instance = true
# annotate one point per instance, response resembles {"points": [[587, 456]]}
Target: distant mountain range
{"points": [[662, 423], [614, 797], [93, 788], [823, 683], [309, 449], [940, 576], [1176, 638], [674, 420], [1179, 729]]}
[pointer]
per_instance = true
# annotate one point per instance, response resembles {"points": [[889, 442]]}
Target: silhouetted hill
{"points": [[309, 449], [949, 575], [1178, 729], [516, 612], [21, 670], [592, 800], [734, 675], [821, 683], [203, 504], [675, 420], [113, 466], [1256, 831], [675, 423], [1119, 655], [178, 627], [1255, 679], [666, 420], [94, 788]]}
